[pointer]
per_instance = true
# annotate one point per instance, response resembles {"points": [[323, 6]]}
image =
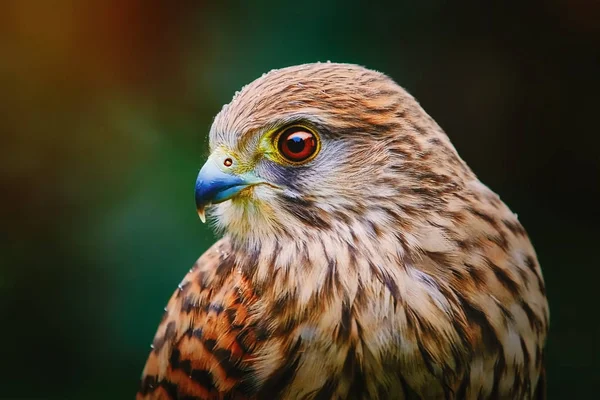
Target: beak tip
{"points": [[202, 214]]}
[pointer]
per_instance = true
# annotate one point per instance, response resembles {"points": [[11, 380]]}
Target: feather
{"points": [[382, 268]]}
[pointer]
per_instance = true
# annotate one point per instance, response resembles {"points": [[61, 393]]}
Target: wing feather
{"points": [[206, 343]]}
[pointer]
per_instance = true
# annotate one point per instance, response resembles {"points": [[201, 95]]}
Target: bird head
{"points": [[326, 146]]}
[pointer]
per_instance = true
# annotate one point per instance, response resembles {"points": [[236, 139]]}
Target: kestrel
{"points": [[361, 258]]}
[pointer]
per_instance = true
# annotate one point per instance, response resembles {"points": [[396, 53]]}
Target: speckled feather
{"points": [[382, 269]]}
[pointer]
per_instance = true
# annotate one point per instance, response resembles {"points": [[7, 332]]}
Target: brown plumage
{"points": [[379, 267]]}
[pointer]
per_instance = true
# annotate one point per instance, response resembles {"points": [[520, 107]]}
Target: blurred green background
{"points": [[105, 107]]}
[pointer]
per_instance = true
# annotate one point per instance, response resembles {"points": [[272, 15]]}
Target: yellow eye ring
{"points": [[297, 144]]}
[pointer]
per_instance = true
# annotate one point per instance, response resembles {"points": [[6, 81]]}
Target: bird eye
{"points": [[297, 144]]}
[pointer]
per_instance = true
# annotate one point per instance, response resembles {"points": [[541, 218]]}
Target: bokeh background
{"points": [[105, 107]]}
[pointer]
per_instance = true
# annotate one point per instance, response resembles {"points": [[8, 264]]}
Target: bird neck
{"points": [[319, 266]]}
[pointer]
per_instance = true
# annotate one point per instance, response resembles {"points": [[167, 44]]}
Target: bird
{"points": [[360, 258]]}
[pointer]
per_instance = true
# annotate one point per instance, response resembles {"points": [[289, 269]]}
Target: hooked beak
{"points": [[217, 182]]}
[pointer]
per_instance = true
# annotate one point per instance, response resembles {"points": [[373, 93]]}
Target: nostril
{"points": [[228, 162]]}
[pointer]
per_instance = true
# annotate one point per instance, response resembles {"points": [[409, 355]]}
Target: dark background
{"points": [[104, 112]]}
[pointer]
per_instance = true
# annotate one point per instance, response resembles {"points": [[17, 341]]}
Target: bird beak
{"points": [[217, 182]]}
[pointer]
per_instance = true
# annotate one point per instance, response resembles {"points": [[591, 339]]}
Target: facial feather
{"points": [[370, 149]]}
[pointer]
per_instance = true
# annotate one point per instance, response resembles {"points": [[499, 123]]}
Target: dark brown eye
{"points": [[297, 144]]}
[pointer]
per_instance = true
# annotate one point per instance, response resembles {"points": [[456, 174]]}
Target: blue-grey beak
{"points": [[217, 182]]}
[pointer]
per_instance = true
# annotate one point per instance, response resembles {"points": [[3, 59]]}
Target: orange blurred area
{"points": [[100, 45]]}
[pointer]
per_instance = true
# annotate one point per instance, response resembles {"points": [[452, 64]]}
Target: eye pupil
{"points": [[297, 144]]}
